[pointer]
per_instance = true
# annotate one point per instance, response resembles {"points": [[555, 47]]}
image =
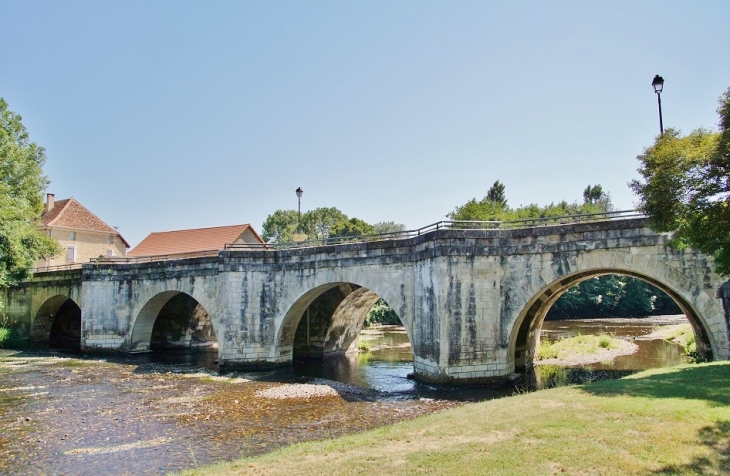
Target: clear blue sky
{"points": [[163, 115]]}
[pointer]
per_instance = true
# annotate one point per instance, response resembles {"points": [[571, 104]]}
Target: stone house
{"points": [[195, 241], [82, 235]]}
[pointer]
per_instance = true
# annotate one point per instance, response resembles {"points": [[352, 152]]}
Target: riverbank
{"points": [[69, 414], [668, 421], [583, 350]]}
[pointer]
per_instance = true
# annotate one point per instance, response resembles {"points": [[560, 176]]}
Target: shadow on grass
{"points": [[709, 382], [717, 440]]}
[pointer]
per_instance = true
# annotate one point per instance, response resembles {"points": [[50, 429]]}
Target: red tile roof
{"points": [[69, 213], [190, 241]]}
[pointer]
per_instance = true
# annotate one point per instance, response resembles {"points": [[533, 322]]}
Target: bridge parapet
{"points": [[472, 300]]}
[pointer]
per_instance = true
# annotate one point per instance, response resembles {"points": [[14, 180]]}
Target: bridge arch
{"points": [[58, 323], [326, 319], [703, 311], [188, 322]]}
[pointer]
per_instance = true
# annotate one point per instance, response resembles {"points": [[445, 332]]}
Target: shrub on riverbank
{"points": [[578, 345], [663, 421], [683, 336], [4, 336]]}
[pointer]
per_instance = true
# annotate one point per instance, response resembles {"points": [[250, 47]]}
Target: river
{"points": [[155, 413]]}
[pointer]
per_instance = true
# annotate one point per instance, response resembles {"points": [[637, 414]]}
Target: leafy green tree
{"points": [[686, 187], [382, 313], [485, 210], [21, 201], [493, 207], [352, 227], [389, 227], [318, 224], [280, 226], [320, 221], [612, 296], [595, 196], [496, 194]]}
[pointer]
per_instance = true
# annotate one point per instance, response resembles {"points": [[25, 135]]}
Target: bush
{"points": [[4, 336], [382, 313], [546, 351], [363, 346], [604, 341]]}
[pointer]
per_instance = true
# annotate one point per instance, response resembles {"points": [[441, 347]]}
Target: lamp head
{"points": [[658, 84], [299, 192]]}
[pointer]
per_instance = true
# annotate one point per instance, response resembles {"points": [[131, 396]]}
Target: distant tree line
{"points": [[319, 224], [494, 207], [601, 296], [612, 295]]}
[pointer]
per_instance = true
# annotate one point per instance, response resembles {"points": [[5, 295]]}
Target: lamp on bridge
{"points": [[300, 192], [658, 84]]}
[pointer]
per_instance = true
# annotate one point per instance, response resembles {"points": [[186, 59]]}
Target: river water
{"points": [[155, 413]]}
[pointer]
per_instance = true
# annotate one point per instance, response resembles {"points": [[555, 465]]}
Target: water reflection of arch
{"points": [[345, 322], [58, 323], [146, 317], [702, 310]]}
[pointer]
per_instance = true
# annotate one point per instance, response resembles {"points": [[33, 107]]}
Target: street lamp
{"points": [[658, 84], [299, 208]]}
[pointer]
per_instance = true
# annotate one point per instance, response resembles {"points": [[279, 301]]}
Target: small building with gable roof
{"points": [[82, 235], [195, 241]]}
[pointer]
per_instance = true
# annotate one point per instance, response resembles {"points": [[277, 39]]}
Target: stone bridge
{"points": [[472, 301]]}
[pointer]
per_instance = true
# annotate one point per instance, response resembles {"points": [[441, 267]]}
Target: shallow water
{"points": [[154, 413], [655, 353]]}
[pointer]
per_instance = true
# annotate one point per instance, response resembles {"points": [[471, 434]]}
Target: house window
{"points": [[110, 240], [109, 253], [72, 236], [71, 254]]}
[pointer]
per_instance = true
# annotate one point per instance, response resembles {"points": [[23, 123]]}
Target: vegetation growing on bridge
{"points": [[686, 187], [664, 421]]}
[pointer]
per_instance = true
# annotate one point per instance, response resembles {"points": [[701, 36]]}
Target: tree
{"points": [[496, 194], [612, 296], [21, 201], [686, 187], [352, 227], [317, 224], [389, 227], [493, 207], [280, 226], [320, 221], [596, 197]]}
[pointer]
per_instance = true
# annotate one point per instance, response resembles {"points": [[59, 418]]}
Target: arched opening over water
{"points": [[173, 321], [322, 331], [58, 324], [526, 336]]}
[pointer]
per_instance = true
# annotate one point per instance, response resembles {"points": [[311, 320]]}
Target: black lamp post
{"points": [[299, 208], [658, 84]]}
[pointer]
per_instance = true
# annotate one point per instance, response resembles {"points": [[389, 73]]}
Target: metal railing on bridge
{"points": [[442, 225], [342, 240], [58, 267]]}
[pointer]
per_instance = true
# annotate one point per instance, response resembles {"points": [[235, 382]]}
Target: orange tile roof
{"points": [[69, 213], [190, 241]]}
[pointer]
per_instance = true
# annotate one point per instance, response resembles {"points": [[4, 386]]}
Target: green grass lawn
{"points": [[666, 421]]}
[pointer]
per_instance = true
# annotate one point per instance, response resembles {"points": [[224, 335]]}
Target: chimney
{"points": [[50, 198]]}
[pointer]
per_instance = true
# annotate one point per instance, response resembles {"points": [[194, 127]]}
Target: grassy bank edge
{"points": [[673, 420]]}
